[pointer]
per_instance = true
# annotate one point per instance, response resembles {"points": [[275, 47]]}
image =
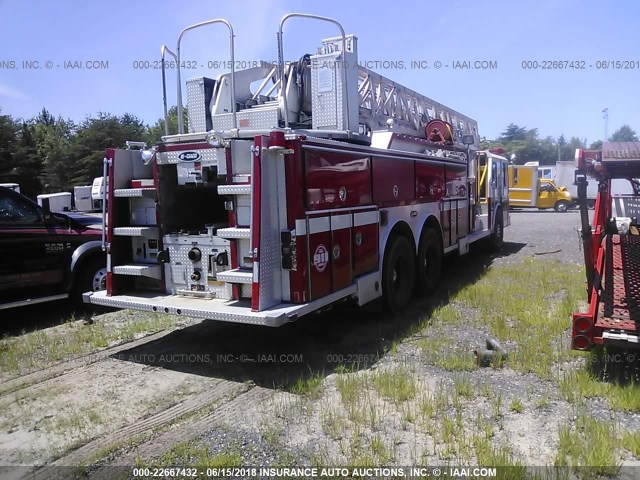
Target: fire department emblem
{"points": [[321, 258]]}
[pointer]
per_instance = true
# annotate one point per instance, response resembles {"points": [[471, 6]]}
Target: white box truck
{"points": [[58, 202], [97, 192], [13, 186], [82, 198]]}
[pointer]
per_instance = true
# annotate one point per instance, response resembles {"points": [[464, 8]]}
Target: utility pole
{"points": [[605, 115]]}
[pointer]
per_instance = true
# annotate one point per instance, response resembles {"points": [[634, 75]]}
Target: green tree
{"points": [[8, 130], [53, 142], [156, 131], [624, 134], [26, 163], [513, 132], [597, 145], [94, 136]]}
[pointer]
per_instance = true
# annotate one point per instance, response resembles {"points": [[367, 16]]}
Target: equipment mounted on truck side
{"points": [[327, 182]]}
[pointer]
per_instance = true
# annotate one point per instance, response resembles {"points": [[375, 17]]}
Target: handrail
{"points": [[283, 86], [105, 179], [164, 49], [233, 85]]}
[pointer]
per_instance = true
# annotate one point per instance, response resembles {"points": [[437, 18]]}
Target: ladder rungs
{"points": [[234, 232], [236, 276], [139, 270]]}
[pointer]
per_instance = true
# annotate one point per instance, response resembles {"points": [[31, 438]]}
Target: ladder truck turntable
{"points": [[611, 245], [327, 182]]}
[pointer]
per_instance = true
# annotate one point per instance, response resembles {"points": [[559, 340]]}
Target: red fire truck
{"points": [[326, 182], [611, 248]]}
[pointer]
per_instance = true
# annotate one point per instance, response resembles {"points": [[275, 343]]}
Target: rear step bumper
{"points": [[215, 309]]}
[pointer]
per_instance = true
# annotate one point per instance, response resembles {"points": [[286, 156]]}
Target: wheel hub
{"points": [[99, 281]]}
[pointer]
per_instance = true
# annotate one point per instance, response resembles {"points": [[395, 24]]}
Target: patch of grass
{"points": [[397, 384], [198, 453], [496, 406], [528, 304], [272, 433], [580, 384], [310, 385], [590, 445], [516, 405], [43, 348], [333, 423], [487, 453], [463, 386], [631, 441], [440, 351], [354, 395]]}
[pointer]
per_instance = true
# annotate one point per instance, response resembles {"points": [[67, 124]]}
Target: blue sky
{"points": [[568, 102]]}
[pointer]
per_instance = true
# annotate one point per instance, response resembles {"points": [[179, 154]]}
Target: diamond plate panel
{"points": [[270, 280], [326, 87], [262, 118], [236, 276], [151, 271], [234, 232], [234, 189], [135, 192], [199, 93], [212, 309], [196, 111], [208, 156], [135, 231]]}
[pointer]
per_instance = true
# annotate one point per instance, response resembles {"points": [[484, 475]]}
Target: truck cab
{"points": [[46, 256], [527, 189]]}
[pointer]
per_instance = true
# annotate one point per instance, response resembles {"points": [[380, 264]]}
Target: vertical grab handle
{"points": [[232, 54], [105, 183]]}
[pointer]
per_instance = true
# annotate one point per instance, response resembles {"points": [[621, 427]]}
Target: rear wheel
{"points": [[561, 206], [429, 261], [92, 277], [497, 236], [398, 274]]}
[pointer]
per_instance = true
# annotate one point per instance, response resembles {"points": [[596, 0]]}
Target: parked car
{"points": [[47, 256]]}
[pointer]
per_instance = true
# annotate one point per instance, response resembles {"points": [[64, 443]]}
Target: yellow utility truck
{"points": [[527, 189]]}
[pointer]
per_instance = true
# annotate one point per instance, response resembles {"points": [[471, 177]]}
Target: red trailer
{"points": [[611, 248]]}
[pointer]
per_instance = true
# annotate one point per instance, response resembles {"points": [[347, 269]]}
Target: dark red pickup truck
{"points": [[47, 256]]}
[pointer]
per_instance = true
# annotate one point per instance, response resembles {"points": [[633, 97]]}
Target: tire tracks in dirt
{"points": [[40, 376], [225, 415], [154, 433]]}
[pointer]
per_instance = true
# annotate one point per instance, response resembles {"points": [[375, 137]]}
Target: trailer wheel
{"points": [[398, 274], [92, 277], [561, 206], [429, 261]]}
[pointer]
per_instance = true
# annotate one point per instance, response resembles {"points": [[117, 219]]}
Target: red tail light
{"points": [[580, 158]]}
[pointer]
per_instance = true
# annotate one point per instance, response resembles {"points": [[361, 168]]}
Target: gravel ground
{"points": [[284, 427], [532, 434]]}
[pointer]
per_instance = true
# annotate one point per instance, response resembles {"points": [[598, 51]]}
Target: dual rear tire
{"points": [[403, 272]]}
